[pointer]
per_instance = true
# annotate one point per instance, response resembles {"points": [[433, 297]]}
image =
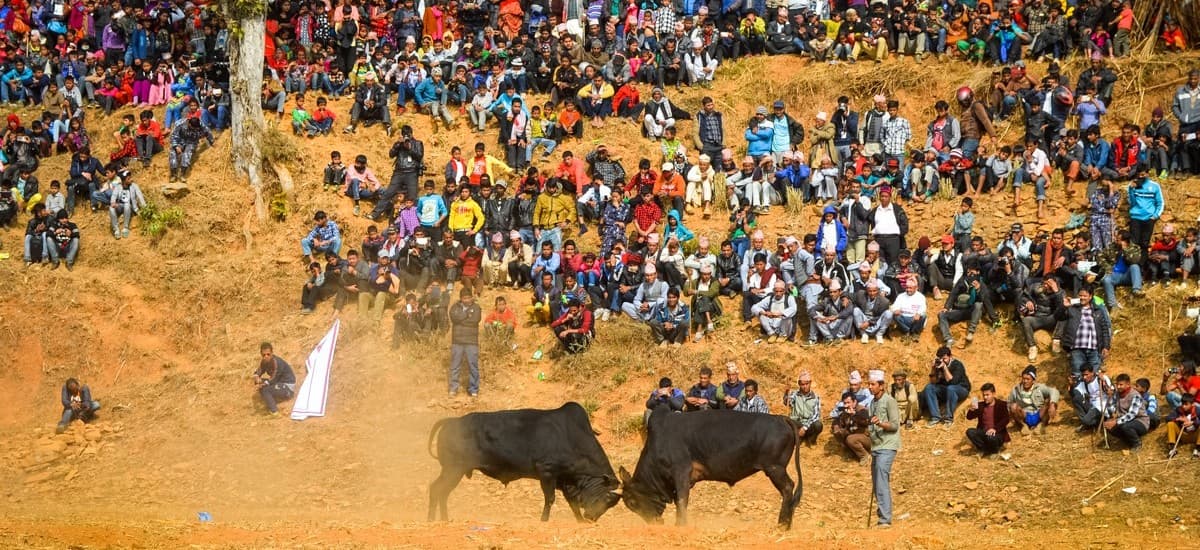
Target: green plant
{"points": [[620, 378], [156, 221], [628, 426], [279, 207]]}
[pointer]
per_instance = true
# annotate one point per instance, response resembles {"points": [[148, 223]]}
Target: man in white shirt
{"points": [[1090, 397], [909, 311], [889, 224], [776, 313], [1036, 169]]}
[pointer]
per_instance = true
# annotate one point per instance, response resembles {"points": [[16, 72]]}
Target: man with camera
{"points": [[948, 383], [409, 155], [965, 303], [1037, 306]]}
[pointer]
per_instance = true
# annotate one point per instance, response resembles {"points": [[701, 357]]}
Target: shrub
{"points": [[156, 221]]}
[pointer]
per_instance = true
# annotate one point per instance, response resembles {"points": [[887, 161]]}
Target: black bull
{"points": [[720, 445], [556, 447]]}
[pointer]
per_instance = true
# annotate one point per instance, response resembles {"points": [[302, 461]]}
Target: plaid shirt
{"points": [[1085, 337], [325, 232], [646, 214], [1136, 404], [664, 21], [896, 133]]}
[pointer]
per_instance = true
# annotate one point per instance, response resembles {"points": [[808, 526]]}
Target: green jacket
{"points": [[888, 411]]}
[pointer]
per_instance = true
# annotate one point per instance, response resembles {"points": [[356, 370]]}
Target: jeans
{"points": [[57, 255], [1131, 277], [881, 483], [119, 220], [306, 244], [554, 235], [969, 147], [971, 314], [478, 117], [218, 120], [85, 415], [951, 394], [470, 354], [1130, 433], [908, 326], [1021, 176], [1089, 415], [549, 144], [41, 246], [273, 393], [358, 192], [1081, 357]]}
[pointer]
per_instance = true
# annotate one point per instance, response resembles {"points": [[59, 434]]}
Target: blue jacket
{"points": [[796, 176], [1145, 201], [1096, 155], [841, 230], [23, 77], [758, 141], [429, 91], [682, 233], [139, 44]]}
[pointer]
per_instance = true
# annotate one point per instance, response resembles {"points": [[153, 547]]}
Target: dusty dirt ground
{"points": [[165, 335]]}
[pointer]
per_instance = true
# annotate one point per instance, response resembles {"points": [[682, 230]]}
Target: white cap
{"points": [[823, 116], [668, 166], [875, 375]]}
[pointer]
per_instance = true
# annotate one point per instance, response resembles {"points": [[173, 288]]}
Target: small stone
{"points": [[1129, 522], [971, 485], [1011, 516], [1088, 511]]}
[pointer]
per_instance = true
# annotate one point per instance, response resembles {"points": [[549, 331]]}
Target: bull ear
{"points": [[624, 475]]}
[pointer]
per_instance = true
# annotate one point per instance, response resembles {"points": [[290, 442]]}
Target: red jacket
{"points": [[1125, 155], [625, 94]]}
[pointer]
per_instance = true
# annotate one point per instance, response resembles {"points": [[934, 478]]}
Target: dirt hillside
{"points": [[166, 334]]}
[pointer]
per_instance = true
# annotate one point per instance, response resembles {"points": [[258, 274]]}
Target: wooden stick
{"points": [[1106, 485]]}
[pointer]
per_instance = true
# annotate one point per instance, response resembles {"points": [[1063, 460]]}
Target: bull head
{"points": [[639, 500], [596, 496]]}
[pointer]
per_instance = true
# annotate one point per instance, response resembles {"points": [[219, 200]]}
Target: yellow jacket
{"points": [[551, 210], [465, 216]]}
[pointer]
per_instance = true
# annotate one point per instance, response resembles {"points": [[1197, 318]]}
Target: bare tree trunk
{"points": [[246, 56]]}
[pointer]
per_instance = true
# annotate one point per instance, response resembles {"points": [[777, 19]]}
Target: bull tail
{"points": [[437, 426], [799, 474]]}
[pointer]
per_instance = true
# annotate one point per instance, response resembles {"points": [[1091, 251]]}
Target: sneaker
{"points": [[357, 210], [1056, 346], [306, 310], [117, 235], [1195, 453], [864, 339], [709, 328], [273, 415], [908, 425], [453, 394], [63, 427], [970, 338], [125, 233], [948, 421], [348, 130], [582, 229], [810, 343], [699, 335], [1081, 429], [473, 394], [933, 422], [878, 337], [1032, 355], [676, 345], [949, 342]]}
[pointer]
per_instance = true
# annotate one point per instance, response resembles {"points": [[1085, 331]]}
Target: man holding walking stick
{"points": [[885, 443]]}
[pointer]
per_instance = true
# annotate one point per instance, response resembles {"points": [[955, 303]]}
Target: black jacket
{"points": [[464, 320]]}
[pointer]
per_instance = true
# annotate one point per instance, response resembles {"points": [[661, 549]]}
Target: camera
{"points": [[1173, 370]]}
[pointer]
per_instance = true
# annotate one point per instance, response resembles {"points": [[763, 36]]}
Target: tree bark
{"points": [[246, 57]]}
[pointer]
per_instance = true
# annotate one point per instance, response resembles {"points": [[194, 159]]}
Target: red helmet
{"points": [[965, 95], [1064, 96]]}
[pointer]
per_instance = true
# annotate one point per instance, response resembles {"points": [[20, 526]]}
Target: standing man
{"points": [[409, 161], [77, 403], [274, 379], [1145, 207], [804, 406], [1087, 332], [465, 316], [885, 443], [710, 129], [889, 226]]}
